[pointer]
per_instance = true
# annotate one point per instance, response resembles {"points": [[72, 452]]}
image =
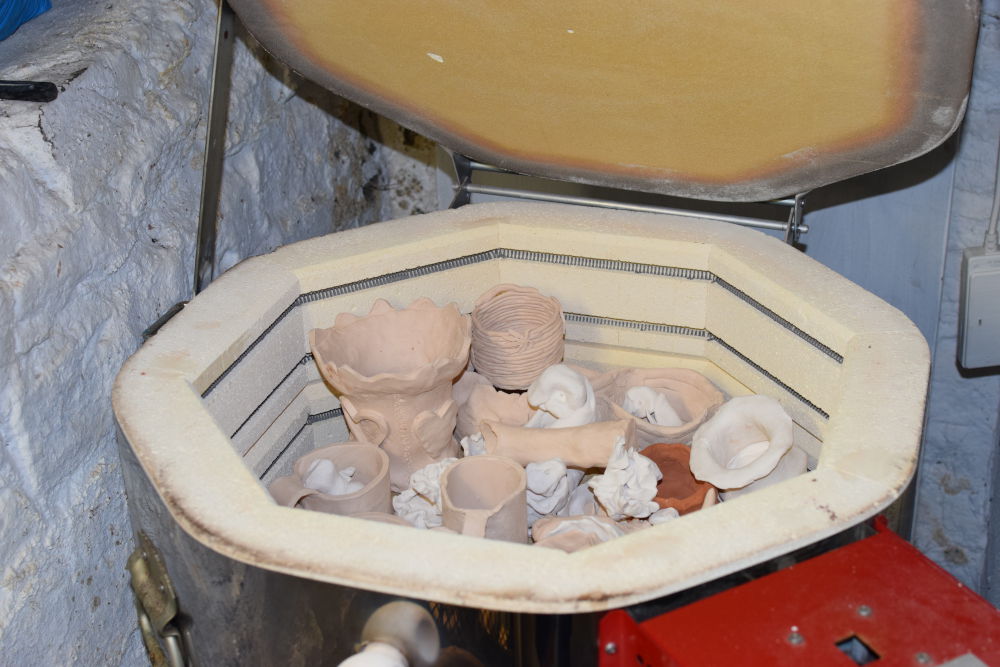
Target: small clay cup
{"points": [[372, 466], [678, 488], [484, 496], [517, 332]]}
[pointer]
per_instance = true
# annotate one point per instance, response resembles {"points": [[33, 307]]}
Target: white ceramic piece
{"points": [[742, 442], [628, 485], [651, 405], [582, 501], [322, 475], [550, 484], [563, 398], [473, 445], [421, 503]]}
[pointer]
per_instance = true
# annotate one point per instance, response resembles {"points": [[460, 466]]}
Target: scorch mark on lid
{"points": [[435, 57]]}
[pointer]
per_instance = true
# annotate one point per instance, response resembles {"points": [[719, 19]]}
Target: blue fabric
{"points": [[15, 12]]}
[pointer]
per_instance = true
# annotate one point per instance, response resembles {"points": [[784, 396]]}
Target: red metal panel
{"points": [[880, 591]]}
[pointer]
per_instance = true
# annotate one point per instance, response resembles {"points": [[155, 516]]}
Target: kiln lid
{"points": [[710, 99]]}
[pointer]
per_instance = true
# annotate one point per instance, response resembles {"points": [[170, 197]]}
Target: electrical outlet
{"points": [[979, 310]]}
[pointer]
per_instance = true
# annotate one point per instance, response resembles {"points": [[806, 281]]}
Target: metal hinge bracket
{"points": [[156, 605]]}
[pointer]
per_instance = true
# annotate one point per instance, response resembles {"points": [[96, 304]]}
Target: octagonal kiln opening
{"points": [[226, 397]]}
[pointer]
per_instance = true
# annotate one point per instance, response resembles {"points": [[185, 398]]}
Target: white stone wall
{"points": [[98, 214], [958, 475]]}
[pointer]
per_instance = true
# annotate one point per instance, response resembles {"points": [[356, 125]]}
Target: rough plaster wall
{"points": [[960, 441], [97, 226]]}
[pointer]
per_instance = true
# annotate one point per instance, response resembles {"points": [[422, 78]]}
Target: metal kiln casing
{"points": [[226, 397]]}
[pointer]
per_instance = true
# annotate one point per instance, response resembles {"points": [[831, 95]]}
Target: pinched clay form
{"points": [[372, 470], [484, 496], [690, 394], [582, 447], [484, 403], [517, 332], [393, 370], [678, 488], [742, 443]]}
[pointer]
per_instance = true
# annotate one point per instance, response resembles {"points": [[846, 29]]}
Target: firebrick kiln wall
{"points": [[100, 192]]}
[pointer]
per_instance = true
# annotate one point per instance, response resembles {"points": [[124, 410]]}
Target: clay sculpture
{"points": [[550, 484], [562, 398], [368, 490], [484, 403], [691, 396], [742, 443], [393, 370], [678, 488], [421, 503], [793, 463], [582, 447], [484, 496], [517, 332]]}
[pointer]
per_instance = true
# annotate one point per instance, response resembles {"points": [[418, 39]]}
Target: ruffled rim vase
{"points": [[393, 370]]}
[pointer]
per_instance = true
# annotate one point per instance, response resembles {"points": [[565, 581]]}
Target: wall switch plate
{"points": [[979, 310]]}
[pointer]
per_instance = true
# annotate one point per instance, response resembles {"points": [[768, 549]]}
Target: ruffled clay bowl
{"points": [[517, 333], [391, 351], [678, 488], [372, 469], [693, 397]]}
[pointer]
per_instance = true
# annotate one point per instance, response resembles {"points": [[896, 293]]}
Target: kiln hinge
{"points": [[156, 605], [465, 188]]}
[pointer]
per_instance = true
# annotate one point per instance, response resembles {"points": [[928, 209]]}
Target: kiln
{"points": [[755, 101]]}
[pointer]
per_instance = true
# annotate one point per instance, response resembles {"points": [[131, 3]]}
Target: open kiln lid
{"points": [[739, 101]]}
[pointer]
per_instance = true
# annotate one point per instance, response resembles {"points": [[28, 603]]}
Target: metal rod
{"points": [[215, 141], [625, 206]]}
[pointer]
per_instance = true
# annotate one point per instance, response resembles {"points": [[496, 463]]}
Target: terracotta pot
{"points": [[692, 396], [394, 370], [372, 469], [484, 496], [741, 443], [517, 332], [583, 447], [678, 488]]}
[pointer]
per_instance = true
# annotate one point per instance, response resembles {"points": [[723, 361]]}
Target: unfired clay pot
{"points": [[372, 466], [693, 397], [678, 488], [484, 403], [517, 332], [393, 370], [583, 447], [484, 496], [741, 443]]}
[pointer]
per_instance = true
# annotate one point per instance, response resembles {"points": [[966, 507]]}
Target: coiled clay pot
{"points": [[372, 470], [393, 370], [517, 332]]}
